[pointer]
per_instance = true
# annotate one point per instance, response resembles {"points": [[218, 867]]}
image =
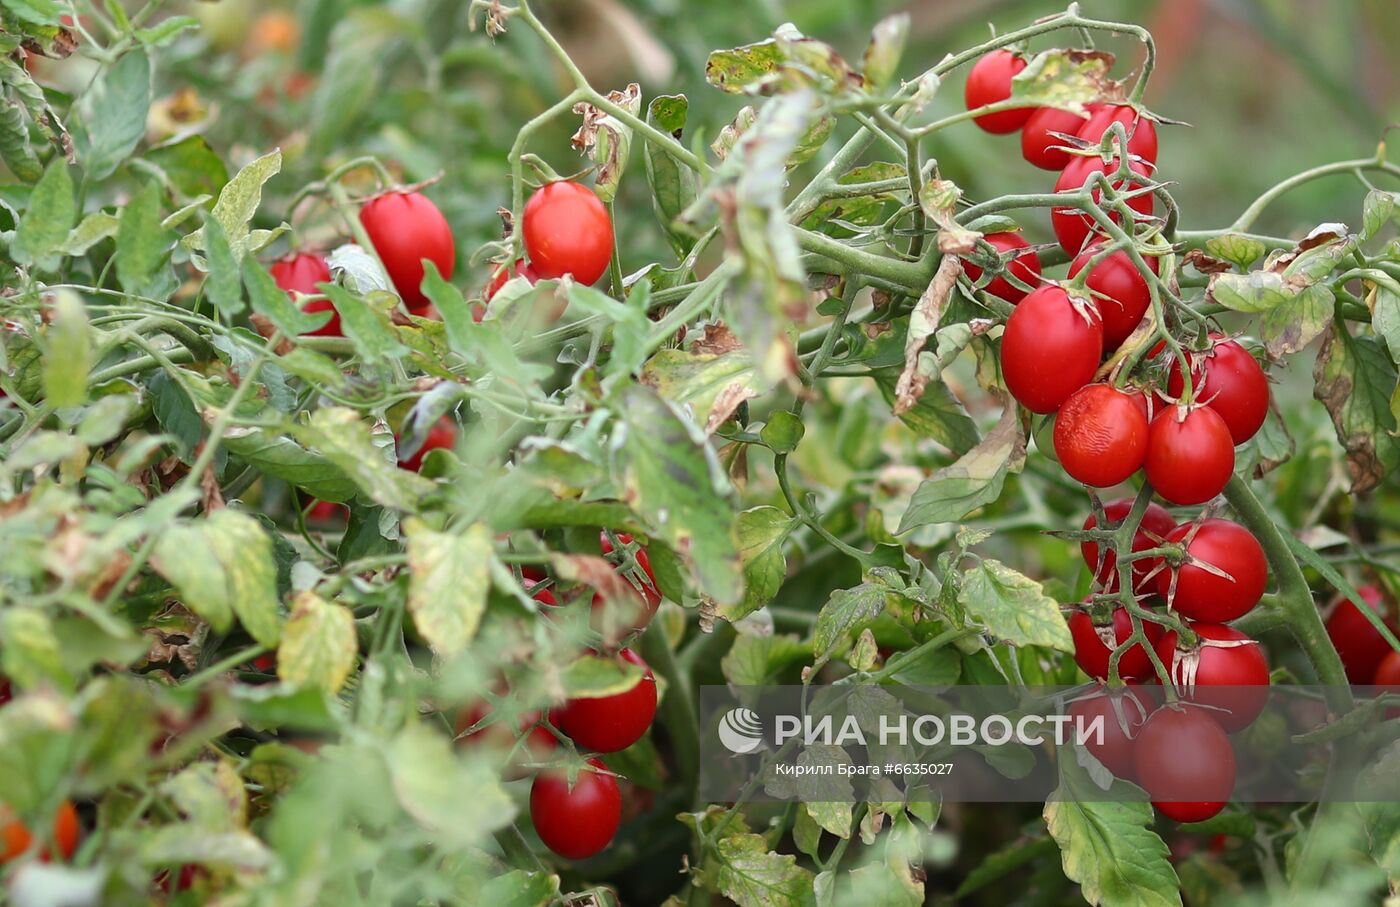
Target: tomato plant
{"points": [[406, 229], [1094, 645], [989, 82], [567, 230], [1051, 348], [607, 724], [576, 821]]}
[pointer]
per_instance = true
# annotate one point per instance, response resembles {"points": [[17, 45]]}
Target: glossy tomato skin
{"points": [[1119, 291], [1228, 380], [1092, 654], [988, 82], [577, 823], [567, 230], [1232, 679], [1156, 524], [300, 273], [1123, 711], [1190, 454], [1185, 762], [443, 435], [1025, 267], [1101, 434], [406, 227], [1359, 644], [646, 589], [607, 724], [1072, 226], [1202, 595], [1142, 132], [1050, 349], [15, 838], [1039, 147]]}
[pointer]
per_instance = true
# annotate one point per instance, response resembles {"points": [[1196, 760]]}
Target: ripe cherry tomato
{"points": [[1185, 762], [503, 274], [1228, 380], [15, 838], [327, 512], [406, 227], [567, 230], [443, 435], [1142, 132], [1190, 454], [1232, 679], [1359, 644], [1123, 711], [647, 590], [1101, 434], [988, 82], [579, 822], [1044, 150], [1025, 267], [1119, 291], [1388, 674], [1050, 349], [1156, 525], [1092, 652], [1202, 595], [300, 273], [1073, 226], [538, 744], [607, 724]]}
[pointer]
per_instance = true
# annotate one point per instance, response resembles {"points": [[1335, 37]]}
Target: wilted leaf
{"points": [[1013, 607], [450, 574], [976, 479], [1355, 379], [234, 574]]}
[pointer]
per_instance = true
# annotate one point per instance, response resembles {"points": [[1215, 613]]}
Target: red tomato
{"points": [[608, 724], [406, 227], [1123, 712], [15, 838], [1093, 646], [1359, 644], [6, 694], [1119, 291], [300, 273], [327, 512], [1190, 454], [544, 596], [1228, 380], [503, 274], [1044, 150], [1202, 595], [1388, 674], [1232, 679], [1142, 132], [1073, 226], [1025, 267], [443, 435], [646, 589], [988, 82], [1185, 762], [538, 744], [1156, 524], [567, 230], [579, 822], [1050, 349], [1101, 434]]}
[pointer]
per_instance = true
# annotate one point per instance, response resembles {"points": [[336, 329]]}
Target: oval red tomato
{"points": [[406, 227], [989, 82], [1119, 291], [576, 822], [15, 838], [442, 436], [1025, 267], [1228, 380], [1051, 348], [1093, 646], [1226, 672], [1141, 130], [1071, 225], [300, 272], [1202, 595], [1388, 673], [1359, 644], [567, 230], [1123, 712], [1101, 434], [607, 724], [1190, 454], [1185, 762], [1044, 150], [1156, 525]]}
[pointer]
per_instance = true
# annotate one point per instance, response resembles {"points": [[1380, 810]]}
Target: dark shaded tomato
{"points": [[1156, 524], [503, 274], [646, 588], [1360, 645], [15, 838], [442, 436], [327, 513], [300, 273], [1202, 595], [539, 742], [1123, 712], [1044, 150], [989, 82], [1228, 380], [1050, 349], [406, 227], [1072, 226], [6, 694], [1142, 132], [1024, 267], [1093, 646], [1388, 673], [1185, 762], [1230, 674], [607, 724], [567, 230], [1190, 454], [266, 662], [543, 595], [580, 821], [1119, 291], [1101, 434]]}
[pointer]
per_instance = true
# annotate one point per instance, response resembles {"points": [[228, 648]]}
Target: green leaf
{"points": [[1013, 607], [590, 677], [15, 148], [272, 302], [736, 70], [142, 245], [68, 353], [1381, 816], [34, 12], [343, 438], [1379, 208], [521, 888], [1355, 379], [113, 113], [191, 165], [223, 286], [1062, 78], [487, 350], [450, 576], [749, 874], [105, 419], [318, 646], [997, 865], [460, 803], [29, 651], [94, 228], [886, 46], [234, 574], [176, 412], [713, 385], [762, 531], [1385, 319], [756, 660], [46, 222], [936, 414], [973, 481], [1294, 311], [279, 456], [367, 324], [845, 614], [627, 320], [672, 183], [238, 201], [166, 30], [783, 432]]}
